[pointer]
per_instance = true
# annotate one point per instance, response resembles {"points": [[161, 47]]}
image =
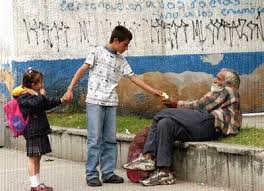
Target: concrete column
{"points": [[2, 121]]}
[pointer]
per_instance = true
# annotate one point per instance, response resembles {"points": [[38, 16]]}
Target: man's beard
{"points": [[216, 88]]}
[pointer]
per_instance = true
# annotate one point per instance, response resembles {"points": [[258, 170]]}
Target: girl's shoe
{"points": [[41, 187]]}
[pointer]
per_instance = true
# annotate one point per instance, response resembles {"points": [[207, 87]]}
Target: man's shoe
{"points": [[114, 179], [140, 163], [159, 178], [41, 187], [94, 182]]}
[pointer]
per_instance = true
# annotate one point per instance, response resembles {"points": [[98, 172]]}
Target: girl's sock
{"points": [[34, 180]]}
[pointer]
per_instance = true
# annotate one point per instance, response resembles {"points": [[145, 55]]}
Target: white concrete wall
{"points": [[2, 123], [68, 28], [170, 36], [253, 120], [6, 32]]}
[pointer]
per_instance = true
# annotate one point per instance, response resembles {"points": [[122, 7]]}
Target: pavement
{"points": [[65, 175]]}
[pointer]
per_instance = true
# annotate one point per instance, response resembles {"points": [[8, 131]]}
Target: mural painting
{"points": [[178, 46]]}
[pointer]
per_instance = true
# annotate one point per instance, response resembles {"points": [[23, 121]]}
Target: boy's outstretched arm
{"points": [[79, 73], [136, 80]]}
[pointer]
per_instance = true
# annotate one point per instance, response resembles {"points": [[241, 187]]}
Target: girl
{"points": [[33, 102]]}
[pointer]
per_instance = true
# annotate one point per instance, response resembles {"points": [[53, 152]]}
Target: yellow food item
{"points": [[165, 95]]}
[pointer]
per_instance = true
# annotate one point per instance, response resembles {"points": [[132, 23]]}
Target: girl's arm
{"points": [[40, 103], [52, 102]]}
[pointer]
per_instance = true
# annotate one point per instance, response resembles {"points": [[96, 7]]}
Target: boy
{"points": [[107, 66]]}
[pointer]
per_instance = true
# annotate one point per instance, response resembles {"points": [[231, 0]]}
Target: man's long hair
{"points": [[231, 78]]}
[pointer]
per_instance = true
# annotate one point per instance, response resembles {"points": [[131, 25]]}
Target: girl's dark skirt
{"points": [[38, 146]]}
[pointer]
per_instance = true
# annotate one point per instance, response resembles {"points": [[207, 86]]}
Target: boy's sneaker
{"points": [[140, 163], [114, 179], [94, 182], [159, 178]]}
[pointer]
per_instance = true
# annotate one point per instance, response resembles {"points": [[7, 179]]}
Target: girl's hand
{"points": [[42, 91], [31, 92]]}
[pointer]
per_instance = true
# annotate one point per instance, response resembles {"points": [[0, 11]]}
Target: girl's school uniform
{"points": [[38, 128]]}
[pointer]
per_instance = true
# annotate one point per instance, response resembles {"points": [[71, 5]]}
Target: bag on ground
{"points": [[135, 149], [15, 118]]}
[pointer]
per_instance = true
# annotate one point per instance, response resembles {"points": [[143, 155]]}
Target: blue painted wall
{"points": [[60, 72]]}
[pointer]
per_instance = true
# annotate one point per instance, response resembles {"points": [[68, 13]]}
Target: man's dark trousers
{"points": [[174, 124]]}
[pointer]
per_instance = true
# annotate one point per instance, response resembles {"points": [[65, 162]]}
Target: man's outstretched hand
{"points": [[169, 102]]}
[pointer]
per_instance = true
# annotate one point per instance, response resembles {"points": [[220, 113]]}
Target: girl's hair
{"points": [[31, 76]]}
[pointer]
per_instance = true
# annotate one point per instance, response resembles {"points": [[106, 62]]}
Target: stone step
{"points": [[66, 175], [215, 164]]}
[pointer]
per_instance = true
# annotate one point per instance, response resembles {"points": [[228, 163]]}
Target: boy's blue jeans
{"points": [[101, 141]]}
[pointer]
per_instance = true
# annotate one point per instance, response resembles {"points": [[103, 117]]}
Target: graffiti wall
{"points": [[178, 46], [6, 42]]}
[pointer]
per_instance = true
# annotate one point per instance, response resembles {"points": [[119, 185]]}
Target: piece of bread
{"points": [[165, 95]]}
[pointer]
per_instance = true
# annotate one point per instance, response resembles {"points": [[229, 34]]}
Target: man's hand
{"points": [[169, 102]]}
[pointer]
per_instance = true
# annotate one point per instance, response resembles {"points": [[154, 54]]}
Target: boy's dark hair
{"points": [[31, 76], [121, 33]]}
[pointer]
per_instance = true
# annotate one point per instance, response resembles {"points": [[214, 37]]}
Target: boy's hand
{"points": [[157, 93], [68, 95], [172, 103], [164, 95], [63, 99]]}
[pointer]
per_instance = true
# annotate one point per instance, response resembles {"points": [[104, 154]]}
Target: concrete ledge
{"points": [[223, 148], [253, 120], [71, 144], [217, 164]]}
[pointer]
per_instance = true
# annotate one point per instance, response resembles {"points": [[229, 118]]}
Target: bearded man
{"points": [[214, 115]]}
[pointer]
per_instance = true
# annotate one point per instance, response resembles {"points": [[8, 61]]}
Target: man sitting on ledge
{"points": [[216, 114]]}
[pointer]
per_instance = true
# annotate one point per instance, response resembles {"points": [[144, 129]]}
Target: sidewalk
{"points": [[66, 175]]}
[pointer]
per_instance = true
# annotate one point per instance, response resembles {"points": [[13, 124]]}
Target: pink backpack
{"points": [[15, 118]]}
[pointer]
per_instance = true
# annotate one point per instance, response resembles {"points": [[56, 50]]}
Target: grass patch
{"points": [[71, 120], [78, 120], [247, 136]]}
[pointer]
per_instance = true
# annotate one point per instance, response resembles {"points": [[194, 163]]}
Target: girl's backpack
{"points": [[135, 149], [15, 118]]}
